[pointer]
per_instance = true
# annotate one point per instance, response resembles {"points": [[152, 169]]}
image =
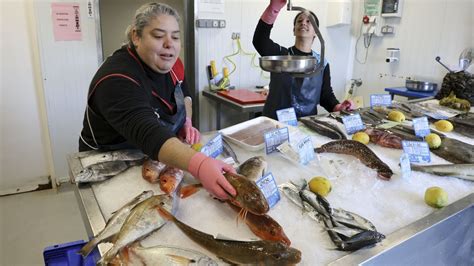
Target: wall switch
{"points": [[215, 23], [221, 23]]}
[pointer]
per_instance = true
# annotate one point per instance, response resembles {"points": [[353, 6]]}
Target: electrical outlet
{"points": [[222, 23], [235, 35], [215, 23]]}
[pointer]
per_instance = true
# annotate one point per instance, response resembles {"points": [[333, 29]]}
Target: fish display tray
{"points": [[66, 254], [255, 130]]}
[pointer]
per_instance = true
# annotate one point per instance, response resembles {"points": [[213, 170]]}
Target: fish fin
{"points": [[88, 247], [227, 261], [180, 260], [165, 214], [189, 190]]}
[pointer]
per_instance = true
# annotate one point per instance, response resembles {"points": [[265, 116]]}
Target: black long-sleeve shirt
{"points": [[123, 111], [267, 47]]}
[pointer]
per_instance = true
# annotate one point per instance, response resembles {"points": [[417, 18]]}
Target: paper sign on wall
{"points": [[66, 21]]}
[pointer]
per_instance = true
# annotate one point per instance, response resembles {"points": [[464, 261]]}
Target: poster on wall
{"points": [[66, 21]]}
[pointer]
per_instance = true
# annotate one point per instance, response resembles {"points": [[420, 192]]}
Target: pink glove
{"points": [[188, 133], [270, 14], [346, 105], [209, 172]]}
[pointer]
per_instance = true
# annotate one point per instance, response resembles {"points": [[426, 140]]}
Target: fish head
{"points": [[144, 195], [167, 183], [164, 201], [275, 232], [277, 253], [84, 175], [385, 174], [249, 196]]}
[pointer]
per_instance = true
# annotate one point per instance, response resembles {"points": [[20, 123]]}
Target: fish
{"points": [[384, 138], [227, 150], [360, 151], [143, 220], [322, 129], [463, 171], [117, 155], [103, 171], [264, 226], [162, 255], [345, 231], [114, 223], [319, 203], [253, 168], [188, 190], [352, 219], [151, 170], [170, 178], [330, 126], [249, 197], [262, 252], [455, 151], [361, 240]]}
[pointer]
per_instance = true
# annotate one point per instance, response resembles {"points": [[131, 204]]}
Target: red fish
{"points": [[170, 179], [151, 170]]}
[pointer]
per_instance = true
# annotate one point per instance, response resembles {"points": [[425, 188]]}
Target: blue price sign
{"points": [[213, 147], [305, 150], [417, 151], [274, 138], [353, 123], [421, 126], [380, 100], [287, 116], [269, 188], [405, 165]]}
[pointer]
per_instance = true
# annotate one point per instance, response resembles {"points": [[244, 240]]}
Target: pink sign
{"points": [[66, 21]]}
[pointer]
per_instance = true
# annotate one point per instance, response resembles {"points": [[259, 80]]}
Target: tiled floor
{"points": [[29, 222]]}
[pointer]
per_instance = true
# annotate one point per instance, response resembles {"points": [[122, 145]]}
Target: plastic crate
{"points": [[66, 254]]}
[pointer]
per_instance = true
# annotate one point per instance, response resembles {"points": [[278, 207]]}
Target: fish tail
{"points": [[189, 190], [180, 260], [88, 247]]}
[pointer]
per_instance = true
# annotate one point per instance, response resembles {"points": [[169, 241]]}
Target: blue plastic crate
{"points": [[66, 254]]}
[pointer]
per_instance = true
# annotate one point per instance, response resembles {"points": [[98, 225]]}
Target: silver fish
{"points": [[360, 240], [102, 171], [352, 220], [227, 150], [463, 171], [114, 223], [345, 231], [164, 255], [253, 168], [118, 155], [316, 201], [143, 220]]}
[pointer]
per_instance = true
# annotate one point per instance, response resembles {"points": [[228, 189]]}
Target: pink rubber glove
{"points": [[209, 172], [346, 105], [271, 12], [188, 133]]}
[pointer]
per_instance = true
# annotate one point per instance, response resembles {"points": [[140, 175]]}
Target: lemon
{"points": [[320, 185], [443, 125], [396, 116], [433, 140], [436, 197], [197, 146], [361, 137]]}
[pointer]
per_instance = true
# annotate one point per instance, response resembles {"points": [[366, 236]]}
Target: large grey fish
{"points": [[162, 255], [118, 155], [261, 252], [253, 168], [102, 171], [114, 223], [143, 220], [464, 171], [360, 151], [322, 129]]}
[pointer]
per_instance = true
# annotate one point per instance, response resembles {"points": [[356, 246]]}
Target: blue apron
{"points": [[301, 93]]}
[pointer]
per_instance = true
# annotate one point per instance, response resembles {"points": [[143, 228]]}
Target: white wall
{"points": [[427, 28], [23, 142], [242, 16]]}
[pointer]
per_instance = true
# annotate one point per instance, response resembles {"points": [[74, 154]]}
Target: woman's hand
{"points": [[188, 133], [346, 105]]}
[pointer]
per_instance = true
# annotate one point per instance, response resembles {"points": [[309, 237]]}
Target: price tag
{"points": [[421, 126], [274, 138], [305, 150], [269, 188], [405, 166], [287, 116], [353, 123], [213, 147], [417, 151], [380, 100], [436, 115]]}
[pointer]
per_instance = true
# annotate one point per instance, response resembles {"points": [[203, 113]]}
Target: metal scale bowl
{"points": [[296, 65]]}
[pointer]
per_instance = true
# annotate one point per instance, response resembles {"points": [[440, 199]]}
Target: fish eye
{"points": [[273, 232], [162, 203], [276, 256], [246, 198]]}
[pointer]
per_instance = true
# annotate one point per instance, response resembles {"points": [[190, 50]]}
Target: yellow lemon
{"points": [[361, 137], [433, 140], [320, 185], [443, 125], [197, 146], [396, 116], [436, 197]]}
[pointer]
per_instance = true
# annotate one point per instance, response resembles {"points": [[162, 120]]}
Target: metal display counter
{"points": [[395, 207]]}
